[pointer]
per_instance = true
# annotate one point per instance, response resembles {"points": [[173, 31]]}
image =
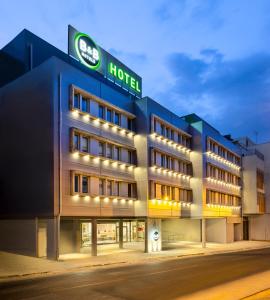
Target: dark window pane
{"points": [[162, 130], [84, 105], [109, 187], [76, 141], [85, 184], [130, 157], [85, 144], [101, 149], [130, 193], [130, 127], [101, 111], [109, 151], [117, 153], [117, 188], [117, 118], [101, 186], [76, 101], [109, 115], [76, 184]]}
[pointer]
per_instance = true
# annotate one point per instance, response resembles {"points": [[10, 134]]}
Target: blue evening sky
{"points": [[211, 57]]}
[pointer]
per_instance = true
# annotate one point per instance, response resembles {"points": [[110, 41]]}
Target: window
{"points": [[163, 160], [84, 144], [162, 129], [84, 105], [189, 196], [76, 144], [101, 111], [155, 125], [163, 191], [179, 138], [117, 188], [109, 187], [167, 162], [158, 193], [260, 179], [76, 101], [155, 158], [101, 186], [129, 190], [130, 124], [172, 164], [109, 151], [173, 193], [117, 118], [76, 183], [116, 153], [84, 184], [109, 115], [189, 169], [168, 192], [130, 157], [101, 149], [168, 133]]}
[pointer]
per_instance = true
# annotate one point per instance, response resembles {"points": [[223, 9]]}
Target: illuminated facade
{"points": [[88, 163]]}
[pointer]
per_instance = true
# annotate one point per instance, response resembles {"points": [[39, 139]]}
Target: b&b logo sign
{"points": [[82, 48], [87, 51]]}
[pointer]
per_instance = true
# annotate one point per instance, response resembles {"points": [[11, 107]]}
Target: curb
{"points": [[262, 292]]}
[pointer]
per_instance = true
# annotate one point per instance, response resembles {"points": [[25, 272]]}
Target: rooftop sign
{"points": [[84, 49]]}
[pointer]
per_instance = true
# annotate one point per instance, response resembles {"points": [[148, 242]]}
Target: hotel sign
{"points": [[82, 47]]}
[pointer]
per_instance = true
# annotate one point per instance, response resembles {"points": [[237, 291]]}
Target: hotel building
{"points": [[88, 163]]}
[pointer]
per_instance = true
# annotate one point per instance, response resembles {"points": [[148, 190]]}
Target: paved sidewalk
{"points": [[13, 266], [265, 295], [254, 287]]}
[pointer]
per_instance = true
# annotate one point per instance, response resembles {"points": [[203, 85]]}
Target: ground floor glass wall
{"points": [[108, 232], [77, 235]]}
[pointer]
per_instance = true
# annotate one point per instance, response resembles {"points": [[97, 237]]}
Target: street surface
{"points": [[162, 279]]}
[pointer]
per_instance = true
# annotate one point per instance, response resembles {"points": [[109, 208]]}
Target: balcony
{"points": [[162, 140], [222, 160], [100, 161]]}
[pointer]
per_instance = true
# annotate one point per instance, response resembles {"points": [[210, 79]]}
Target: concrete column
{"points": [[203, 232], [121, 234], [146, 236], [53, 233], [76, 236], [94, 237]]}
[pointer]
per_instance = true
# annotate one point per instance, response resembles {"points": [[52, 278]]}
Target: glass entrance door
{"points": [[86, 234]]}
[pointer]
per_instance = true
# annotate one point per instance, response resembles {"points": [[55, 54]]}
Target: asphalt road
{"points": [[153, 280]]}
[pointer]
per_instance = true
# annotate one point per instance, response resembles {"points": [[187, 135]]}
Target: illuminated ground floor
{"points": [[53, 237], [100, 236]]}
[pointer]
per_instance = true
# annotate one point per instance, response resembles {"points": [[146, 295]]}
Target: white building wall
{"points": [[259, 227], [181, 230], [141, 174], [250, 165], [216, 230]]}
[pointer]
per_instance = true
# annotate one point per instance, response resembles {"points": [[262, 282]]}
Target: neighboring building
{"points": [[256, 192], [217, 182], [87, 162]]}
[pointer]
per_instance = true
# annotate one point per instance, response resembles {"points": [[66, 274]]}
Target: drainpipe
{"points": [[59, 165]]}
